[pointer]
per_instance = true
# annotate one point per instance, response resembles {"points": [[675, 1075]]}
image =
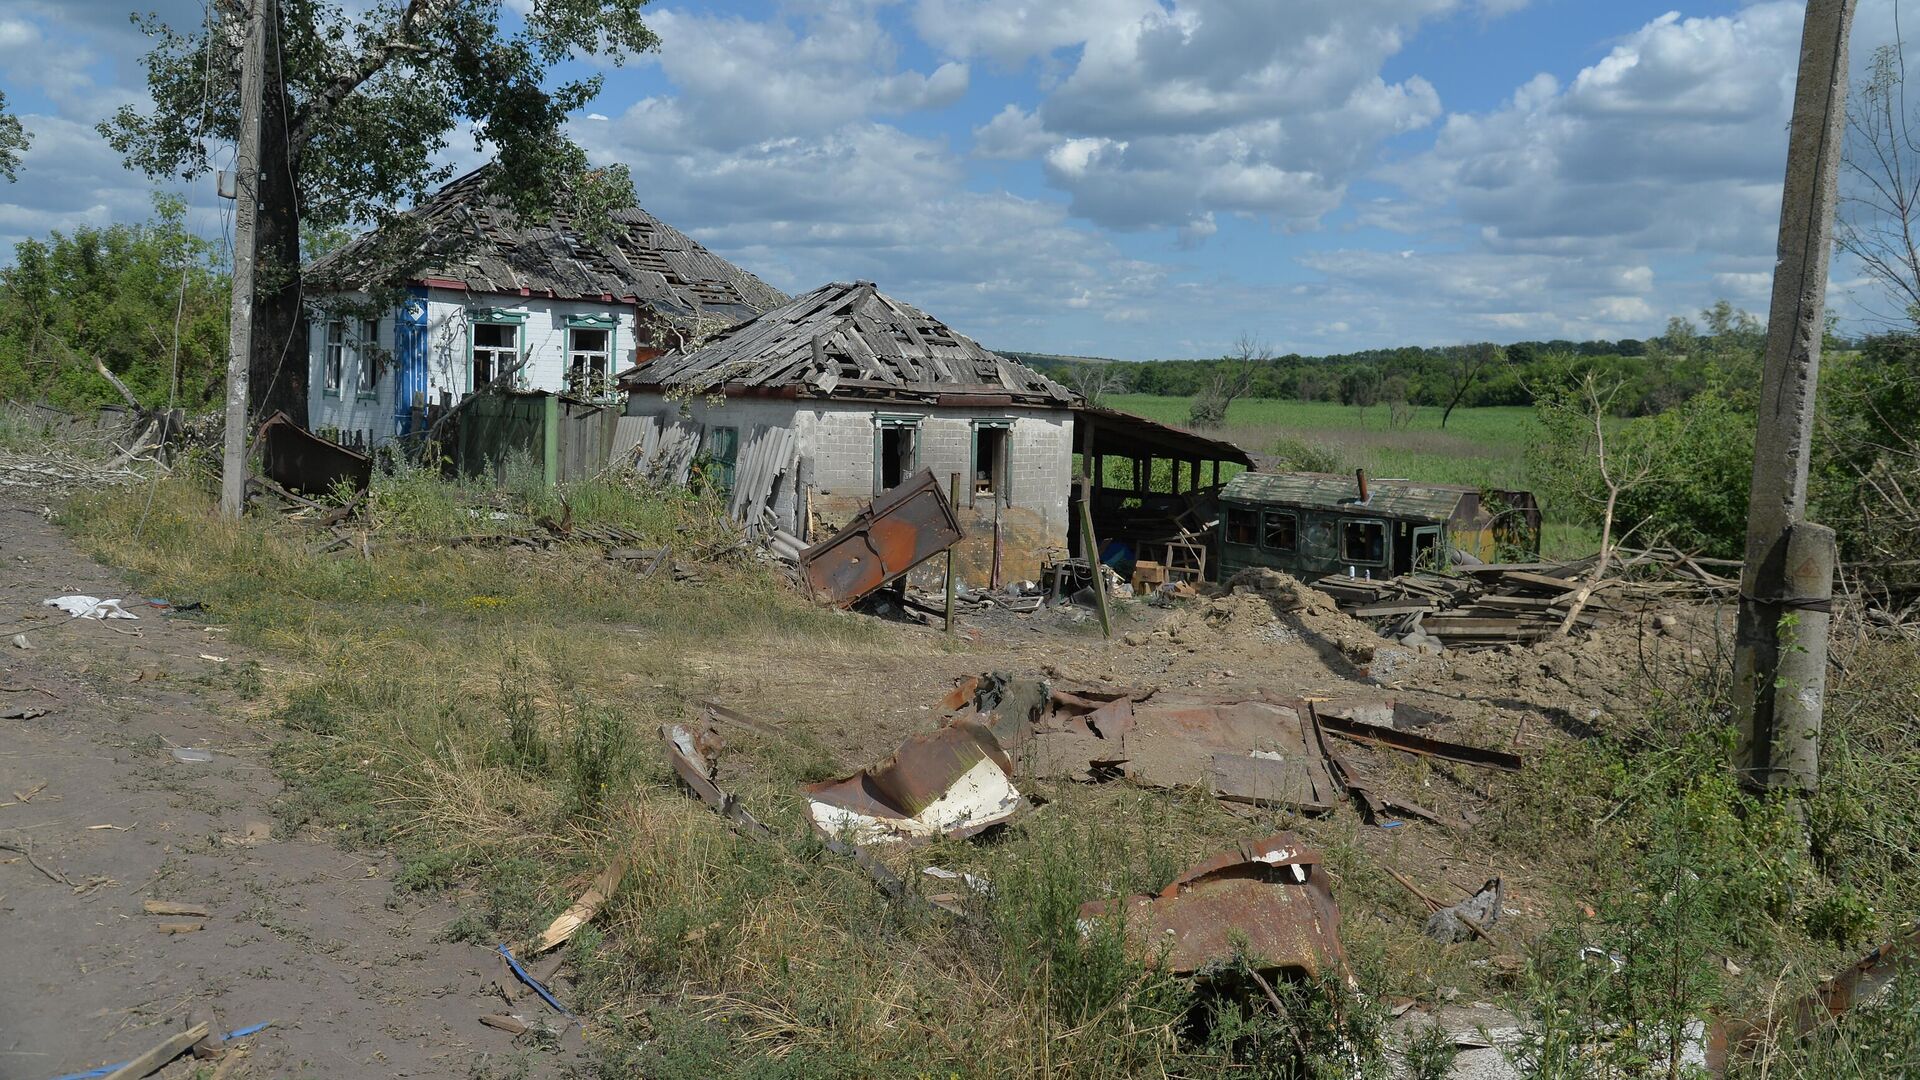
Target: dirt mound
{"points": [[1284, 592]]}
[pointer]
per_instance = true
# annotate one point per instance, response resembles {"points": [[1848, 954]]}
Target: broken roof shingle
{"points": [[469, 236], [851, 337]]}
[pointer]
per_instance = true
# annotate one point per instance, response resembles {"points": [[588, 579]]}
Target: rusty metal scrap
{"points": [[1859, 982], [307, 464], [1271, 893], [1412, 743], [955, 781], [898, 531]]}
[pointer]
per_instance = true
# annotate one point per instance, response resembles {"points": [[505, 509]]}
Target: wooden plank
{"points": [[1392, 607], [148, 1063]]}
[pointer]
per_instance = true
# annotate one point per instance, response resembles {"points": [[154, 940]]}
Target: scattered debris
{"points": [[25, 847], [21, 712], [521, 974], [581, 911], [89, 607], [1862, 981], [179, 927], [20, 642], [1267, 899], [191, 755], [151, 1061], [955, 781], [898, 531], [1257, 751], [512, 1025], [250, 834], [1470, 917]]}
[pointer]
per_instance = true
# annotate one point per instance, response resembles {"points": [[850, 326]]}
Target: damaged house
{"points": [[817, 406], [808, 411], [488, 300]]}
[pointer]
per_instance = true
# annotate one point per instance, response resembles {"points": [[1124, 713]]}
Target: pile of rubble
{"points": [[1524, 603]]}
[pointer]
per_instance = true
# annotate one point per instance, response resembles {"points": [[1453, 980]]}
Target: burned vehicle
{"points": [[1311, 525]]}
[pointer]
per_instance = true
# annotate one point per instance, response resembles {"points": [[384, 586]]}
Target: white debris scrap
{"points": [[90, 607]]}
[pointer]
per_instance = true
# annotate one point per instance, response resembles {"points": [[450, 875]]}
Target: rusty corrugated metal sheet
{"points": [[898, 531], [305, 463], [1272, 891]]}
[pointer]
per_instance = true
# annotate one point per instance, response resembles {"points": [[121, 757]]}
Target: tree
{"points": [[1096, 381], [146, 302], [358, 107], [1232, 378], [13, 142], [1878, 217], [1465, 366]]}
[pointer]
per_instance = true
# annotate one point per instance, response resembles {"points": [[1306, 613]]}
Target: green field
{"points": [[1481, 447]]}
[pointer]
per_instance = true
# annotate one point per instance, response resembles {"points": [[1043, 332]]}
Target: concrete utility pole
{"points": [[1780, 647], [246, 203]]}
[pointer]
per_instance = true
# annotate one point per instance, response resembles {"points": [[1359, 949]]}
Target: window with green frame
{"points": [[721, 457]]}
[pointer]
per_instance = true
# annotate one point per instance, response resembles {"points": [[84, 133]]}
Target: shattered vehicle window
{"points": [[1363, 542], [1243, 526]]}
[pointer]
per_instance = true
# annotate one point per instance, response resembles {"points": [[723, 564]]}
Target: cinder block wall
{"points": [[838, 438]]}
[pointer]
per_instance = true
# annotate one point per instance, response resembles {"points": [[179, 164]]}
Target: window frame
{"points": [[1227, 525], [600, 383], [478, 317], [896, 421], [1001, 478], [1341, 542], [1266, 516], [333, 357], [366, 384], [729, 465]]}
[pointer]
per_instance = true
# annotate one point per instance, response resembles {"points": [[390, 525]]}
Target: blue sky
{"points": [[1146, 178]]}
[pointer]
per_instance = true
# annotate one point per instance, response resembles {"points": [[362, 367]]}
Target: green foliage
{"points": [[598, 757], [114, 295], [14, 141], [1679, 476], [1866, 462]]}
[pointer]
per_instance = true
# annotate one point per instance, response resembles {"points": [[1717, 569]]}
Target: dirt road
{"points": [[353, 976]]}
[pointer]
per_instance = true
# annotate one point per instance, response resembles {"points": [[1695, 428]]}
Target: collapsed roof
{"points": [[463, 236], [850, 339]]}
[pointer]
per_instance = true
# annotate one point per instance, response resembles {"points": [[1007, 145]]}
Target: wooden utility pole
{"points": [[1780, 645], [246, 203]]}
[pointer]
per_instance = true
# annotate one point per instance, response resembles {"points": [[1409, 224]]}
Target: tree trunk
{"points": [[277, 368]]}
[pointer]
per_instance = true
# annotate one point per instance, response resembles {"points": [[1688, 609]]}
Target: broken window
{"points": [[333, 356], [723, 452], [587, 354], [496, 349], [990, 442], [1243, 525], [896, 450], [1426, 549], [1363, 543], [367, 380], [1280, 531]]}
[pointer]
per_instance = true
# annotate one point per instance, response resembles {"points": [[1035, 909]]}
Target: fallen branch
{"points": [[27, 850]]}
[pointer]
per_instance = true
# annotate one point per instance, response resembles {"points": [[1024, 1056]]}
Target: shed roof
{"points": [[1322, 491], [1124, 434], [466, 235], [850, 339]]}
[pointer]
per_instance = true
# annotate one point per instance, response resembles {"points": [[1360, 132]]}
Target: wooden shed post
{"points": [[550, 438]]}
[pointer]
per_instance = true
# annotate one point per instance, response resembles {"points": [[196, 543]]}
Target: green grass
{"points": [[1482, 447]]}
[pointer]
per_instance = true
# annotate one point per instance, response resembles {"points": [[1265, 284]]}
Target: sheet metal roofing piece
{"points": [[1272, 892], [898, 531], [955, 781], [305, 463]]}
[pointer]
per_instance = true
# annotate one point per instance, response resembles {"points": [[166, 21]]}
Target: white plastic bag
{"points": [[90, 607]]}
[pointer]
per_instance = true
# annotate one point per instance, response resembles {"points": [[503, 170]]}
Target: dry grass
{"points": [[721, 956]]}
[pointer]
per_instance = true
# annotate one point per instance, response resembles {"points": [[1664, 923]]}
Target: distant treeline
{"points": [[1656, 374]]}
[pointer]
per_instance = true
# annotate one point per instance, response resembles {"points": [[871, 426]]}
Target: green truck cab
{"points": [[1310, 525]]}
